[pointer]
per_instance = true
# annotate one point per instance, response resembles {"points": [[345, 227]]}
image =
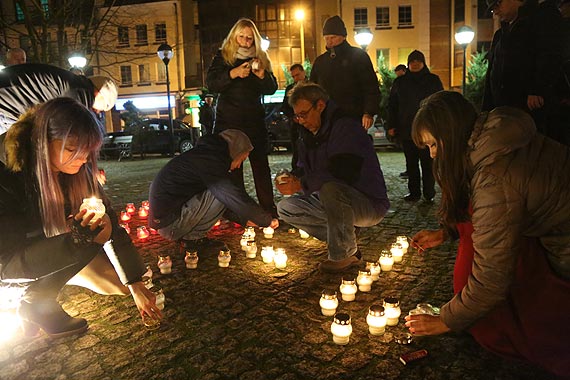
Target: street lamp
{"points": [[363, 37], [165, 53], [300, 16], [463, 37], [77, 63]]}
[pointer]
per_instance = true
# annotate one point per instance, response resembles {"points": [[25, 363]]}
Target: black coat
{"points": [[405, 97], [525, 57], [204, 167], [22, 86], [21, 232], [349, 79], [239, 102]]}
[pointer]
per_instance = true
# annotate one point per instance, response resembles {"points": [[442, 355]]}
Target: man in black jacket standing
{"points": [[347, 75], [193, 190], [405, 96]]}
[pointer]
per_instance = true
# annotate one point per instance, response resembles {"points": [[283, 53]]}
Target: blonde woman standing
{"points": [[241, 74]]}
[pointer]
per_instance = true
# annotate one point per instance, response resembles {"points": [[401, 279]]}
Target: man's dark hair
{"points": [[400, 67], [297, 66], [311, 92]]}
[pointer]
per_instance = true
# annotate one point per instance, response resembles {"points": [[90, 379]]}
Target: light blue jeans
{"points": [[331, 215], [197, 216]]}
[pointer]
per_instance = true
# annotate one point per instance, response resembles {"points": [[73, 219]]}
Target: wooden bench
{"points": [[117, 144]]}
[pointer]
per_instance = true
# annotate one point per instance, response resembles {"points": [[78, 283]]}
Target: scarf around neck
{"points": [[245, 53]]}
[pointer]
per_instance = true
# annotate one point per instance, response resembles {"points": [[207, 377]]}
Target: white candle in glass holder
{"points": [[243, 241], [280, 258], [374, 269], [160, 298], [251, 249], [267, 254], [191, 259], [386, 260], [364, 281], [348, 289], [93, 206], [376, 320], [164, 264], [250, 231], [328, 302], [397, 252], [403, 240], [224, 258], [341, 328], [268, 232], [303, 234], [392, 310]]}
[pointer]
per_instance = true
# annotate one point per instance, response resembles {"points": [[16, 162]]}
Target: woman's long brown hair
{"points": [[449, 118]]}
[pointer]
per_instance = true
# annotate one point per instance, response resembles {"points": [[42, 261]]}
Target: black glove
{"points": [[81, 236]]}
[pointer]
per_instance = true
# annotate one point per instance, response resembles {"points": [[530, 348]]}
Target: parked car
{"points": [[152, 136], [378, 136], [277, 124]]}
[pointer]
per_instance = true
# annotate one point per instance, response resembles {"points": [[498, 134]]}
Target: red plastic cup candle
{"points": [[126, 227], [152, 231], [143, 213], [93, 205], [145, 204], [130, 208], [125, 216], [142, 233]]}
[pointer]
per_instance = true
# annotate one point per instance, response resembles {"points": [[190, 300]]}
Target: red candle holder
{"points": [[125, 216], [130, 208], [142, 233], [143, 213]]}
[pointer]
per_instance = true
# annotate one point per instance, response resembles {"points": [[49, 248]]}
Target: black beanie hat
{"points": [[417, 55], [334, 25]]}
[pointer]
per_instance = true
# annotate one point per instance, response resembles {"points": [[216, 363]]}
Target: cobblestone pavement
{"points": [[251, 321]]}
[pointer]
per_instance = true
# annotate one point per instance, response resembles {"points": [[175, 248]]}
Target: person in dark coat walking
{"points": [[193, 190], [47, 237], [347, 75], [241, 73], [405, 96], [207, 115]]}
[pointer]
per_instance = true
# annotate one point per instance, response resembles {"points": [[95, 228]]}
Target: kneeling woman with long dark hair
{"points": [[505, 191], [44, 236]]}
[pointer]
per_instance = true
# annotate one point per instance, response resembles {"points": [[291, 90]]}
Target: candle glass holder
{"points": [[397, 252], [341, 328], [147, 281], [303, 234], [251, 249], [150, 323], [364, 281], [328, 302], [125, 216], [191, 259], [403, 240], [165, 264], [348, 289], [280, 258], [143, 213], [376, 320], [374, 268], [392, 310], [130, 208], [93, 206], [268, 232], [145, 204], [250, 231], [142, 232], [267, 254], [126, 227], [160, 298], [386, 261], [224, 258]]}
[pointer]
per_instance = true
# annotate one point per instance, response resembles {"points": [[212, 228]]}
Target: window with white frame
{"points": [[142, 35], [123, 35], [161, 71], [144, 73], [360, 17], [382, 17], [404, 16], [126, 76]]}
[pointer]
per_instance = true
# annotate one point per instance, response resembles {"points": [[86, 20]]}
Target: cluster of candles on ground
{"points": [[379, 316], [143, 232]]}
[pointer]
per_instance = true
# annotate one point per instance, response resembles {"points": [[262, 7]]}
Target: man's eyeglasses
{"points": [[303, 114]]}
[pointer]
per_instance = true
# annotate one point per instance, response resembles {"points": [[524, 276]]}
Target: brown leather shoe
{"points": [[335, 266]]}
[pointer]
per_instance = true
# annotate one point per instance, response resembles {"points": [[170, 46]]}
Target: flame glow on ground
{"points": [[10, 297]]}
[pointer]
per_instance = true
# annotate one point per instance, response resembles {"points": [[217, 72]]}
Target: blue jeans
{"points": [[197, 216], [331, 215]]}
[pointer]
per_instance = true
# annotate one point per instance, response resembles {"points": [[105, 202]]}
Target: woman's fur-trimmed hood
{"points": [[18, 142]]}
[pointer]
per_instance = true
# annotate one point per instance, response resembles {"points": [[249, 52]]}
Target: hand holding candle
{"points": [[93, 205]]}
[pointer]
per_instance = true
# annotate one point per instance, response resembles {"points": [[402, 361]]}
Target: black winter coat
{"points": [[21, 232], [405, 97], [349, 79], [22, 86], [239, 102]]}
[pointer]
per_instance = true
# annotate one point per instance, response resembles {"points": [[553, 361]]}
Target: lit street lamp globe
{"points": [[363, 37], [299, 15], [77, 60], [464, 35], [165, 53]]}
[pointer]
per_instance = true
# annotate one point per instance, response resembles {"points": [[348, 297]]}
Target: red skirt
{"points": [[533, 323]]}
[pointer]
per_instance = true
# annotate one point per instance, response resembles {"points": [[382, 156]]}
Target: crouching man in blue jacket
{"points": [[193, 190], [343, 185]]}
